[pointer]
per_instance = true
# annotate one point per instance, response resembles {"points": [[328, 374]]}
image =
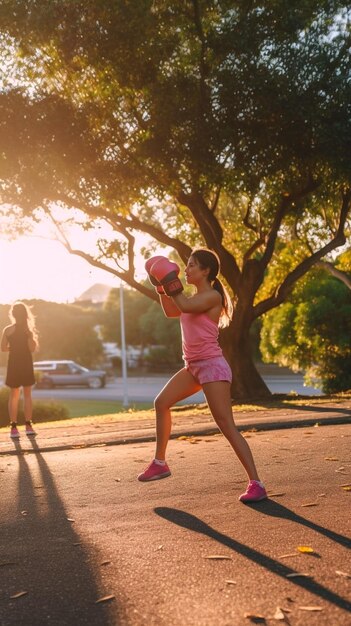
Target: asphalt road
{"points": [[77, 526], [144, 389]]}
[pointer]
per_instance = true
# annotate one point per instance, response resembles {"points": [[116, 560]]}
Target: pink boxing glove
{"points": [[149, 263], [166, 272]]}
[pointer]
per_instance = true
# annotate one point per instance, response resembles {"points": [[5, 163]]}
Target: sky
{"points": [[33, 267]]}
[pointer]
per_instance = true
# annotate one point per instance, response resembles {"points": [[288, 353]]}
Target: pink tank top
{"points": [[199, 337]]}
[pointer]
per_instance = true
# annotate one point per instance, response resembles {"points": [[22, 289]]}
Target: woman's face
{"points": [[193, 272]]}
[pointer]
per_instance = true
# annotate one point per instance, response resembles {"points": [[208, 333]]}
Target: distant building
{"points": [[98, 293]]}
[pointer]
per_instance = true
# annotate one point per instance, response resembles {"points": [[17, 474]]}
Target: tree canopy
{"points": [[198, 122]]}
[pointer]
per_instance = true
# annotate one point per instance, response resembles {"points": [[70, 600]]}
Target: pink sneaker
{"points": [[29, 429], [254, 493], [14, 434], [154, 472]]}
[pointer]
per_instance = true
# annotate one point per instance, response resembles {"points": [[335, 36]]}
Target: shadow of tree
{"points": [[193, 523], [46, 558]]}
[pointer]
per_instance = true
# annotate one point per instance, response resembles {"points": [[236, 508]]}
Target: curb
{"points": [[251, 424]]}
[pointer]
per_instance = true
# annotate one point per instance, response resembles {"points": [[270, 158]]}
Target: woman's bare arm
{"points": [[199, 303], [5, 347], [32, 344], [169, 307]]}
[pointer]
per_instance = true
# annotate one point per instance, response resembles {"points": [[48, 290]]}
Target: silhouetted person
{"points": [[20, 340]]}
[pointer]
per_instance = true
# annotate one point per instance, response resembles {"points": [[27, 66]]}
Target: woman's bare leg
{"points": [[219, 401], [28, 405], [13, 403], [180, 386]]}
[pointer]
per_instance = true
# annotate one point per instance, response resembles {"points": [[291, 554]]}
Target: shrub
{"points": [[42, 411]]}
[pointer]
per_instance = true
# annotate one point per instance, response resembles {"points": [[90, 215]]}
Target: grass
{"points": [[84, 408]]}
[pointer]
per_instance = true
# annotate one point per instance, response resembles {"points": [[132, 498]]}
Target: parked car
{"points": [[50, 374]]}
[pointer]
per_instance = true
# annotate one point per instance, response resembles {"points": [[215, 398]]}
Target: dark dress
{"points": [[20, 363]]}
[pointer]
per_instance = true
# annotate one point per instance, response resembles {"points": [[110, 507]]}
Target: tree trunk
{"points": [[235, 341]]}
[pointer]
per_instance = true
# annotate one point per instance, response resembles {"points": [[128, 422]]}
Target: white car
{"points": [[49, 374]]}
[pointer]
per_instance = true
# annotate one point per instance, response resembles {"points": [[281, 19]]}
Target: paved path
{"points": [[185, 422], [76, 526]]}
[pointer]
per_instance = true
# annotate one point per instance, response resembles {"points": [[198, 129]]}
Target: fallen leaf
{"points": [[279, 615], [285, 556], [330, 458], [297, 575], [105, 563], [338, 572], [310, 504], [305, 549], [70, 519], [24, 512], [276, 495], [18, 595], [118, 480], [311, 608], [218, 557], [78, 543], [346, 485], [231, 582], [347, 488], [321, 495], [104, 599], [256, 619]]}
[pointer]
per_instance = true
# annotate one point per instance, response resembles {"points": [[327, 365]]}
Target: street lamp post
{"points": [[123, 349]]}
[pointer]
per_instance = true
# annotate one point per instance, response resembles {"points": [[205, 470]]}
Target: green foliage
{"points": [[134, 305], [42, 411], [160, 359], [312, 332]]}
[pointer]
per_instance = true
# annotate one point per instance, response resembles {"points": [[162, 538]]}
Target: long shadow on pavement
{"points": [[45, 558], [275, 509], [193, 523]]}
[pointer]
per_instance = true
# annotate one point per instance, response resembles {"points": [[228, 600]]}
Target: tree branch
{"points": [[127, 276], [246, 219], [212, 234], [281, 212], [302, 268], [334, 271]]}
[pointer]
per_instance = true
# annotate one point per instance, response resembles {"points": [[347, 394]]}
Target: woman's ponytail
{"points": [[227, 310], [208, 258]]}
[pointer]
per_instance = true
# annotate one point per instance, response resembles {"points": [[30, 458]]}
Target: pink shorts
{"points": [[210, 370]]}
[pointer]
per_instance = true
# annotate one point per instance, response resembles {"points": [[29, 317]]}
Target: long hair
{"points": [[209, 259], [22, 316]]}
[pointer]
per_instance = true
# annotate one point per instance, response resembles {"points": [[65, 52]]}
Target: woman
{"points": [[205, 366], [20, 340]]}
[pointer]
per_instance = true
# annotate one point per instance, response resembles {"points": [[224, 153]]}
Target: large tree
{"points": [[209, 122]]}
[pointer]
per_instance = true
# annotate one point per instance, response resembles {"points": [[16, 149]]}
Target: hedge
{"points": [[42, 411]]}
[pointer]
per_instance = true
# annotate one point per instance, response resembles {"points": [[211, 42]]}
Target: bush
{"points": [[42, 411], [160, 359]]}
